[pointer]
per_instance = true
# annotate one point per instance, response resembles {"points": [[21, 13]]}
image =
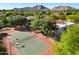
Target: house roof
{"points": [[60, 25]]}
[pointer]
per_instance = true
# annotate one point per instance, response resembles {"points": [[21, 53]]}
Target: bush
{"points": [[69, 41], [16, 20]]}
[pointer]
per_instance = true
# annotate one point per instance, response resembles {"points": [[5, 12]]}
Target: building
{"points": [[62, 26]]}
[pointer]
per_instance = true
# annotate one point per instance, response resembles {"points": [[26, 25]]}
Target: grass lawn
{"points": [[32, 46]]}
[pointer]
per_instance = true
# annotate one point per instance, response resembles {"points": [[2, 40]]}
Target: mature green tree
{"points": [[69, 41], [8, 13], [46, 29], [74, 18], [1, 25], [2, 49], [4, 21], [44, 25], [29, 13], [16, 20], [34, 24]]}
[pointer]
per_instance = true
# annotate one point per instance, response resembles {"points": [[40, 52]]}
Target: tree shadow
{"points": [[24, 29], [2, 35]]}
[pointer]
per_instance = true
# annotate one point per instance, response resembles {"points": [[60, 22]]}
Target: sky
{"points": [[49, 5]]}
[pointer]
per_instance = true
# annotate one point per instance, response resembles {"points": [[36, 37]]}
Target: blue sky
{"points": [[49, 5]]}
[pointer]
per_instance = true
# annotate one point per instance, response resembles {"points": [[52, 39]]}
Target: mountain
{"points": [[37, 7], [25, 8], [61, 8], [41, 7]]}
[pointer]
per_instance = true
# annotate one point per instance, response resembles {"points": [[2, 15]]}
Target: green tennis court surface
{"points": [[28, 44]]}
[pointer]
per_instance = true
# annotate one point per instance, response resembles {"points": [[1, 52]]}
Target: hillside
{"points": [[37, 7], [61, 8]]}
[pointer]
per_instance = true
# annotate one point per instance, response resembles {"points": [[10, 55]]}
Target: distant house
{"points": [[62, 26]]}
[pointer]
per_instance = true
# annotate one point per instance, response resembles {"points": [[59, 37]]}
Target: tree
{"points": [[45, 26], [4, 21], [2, 49], [1, 25], [29, 13], [69, 41], [46, 29], [34, 24], [8, 13], [74, 18], [16, 20]]}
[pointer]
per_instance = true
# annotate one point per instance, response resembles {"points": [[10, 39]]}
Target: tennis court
{"points": [[27, 43]]}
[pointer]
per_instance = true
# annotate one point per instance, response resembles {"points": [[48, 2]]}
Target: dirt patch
{"points": [[47, 52]]}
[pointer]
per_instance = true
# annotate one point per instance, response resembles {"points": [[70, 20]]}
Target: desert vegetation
{"points": [[43, 20]]}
